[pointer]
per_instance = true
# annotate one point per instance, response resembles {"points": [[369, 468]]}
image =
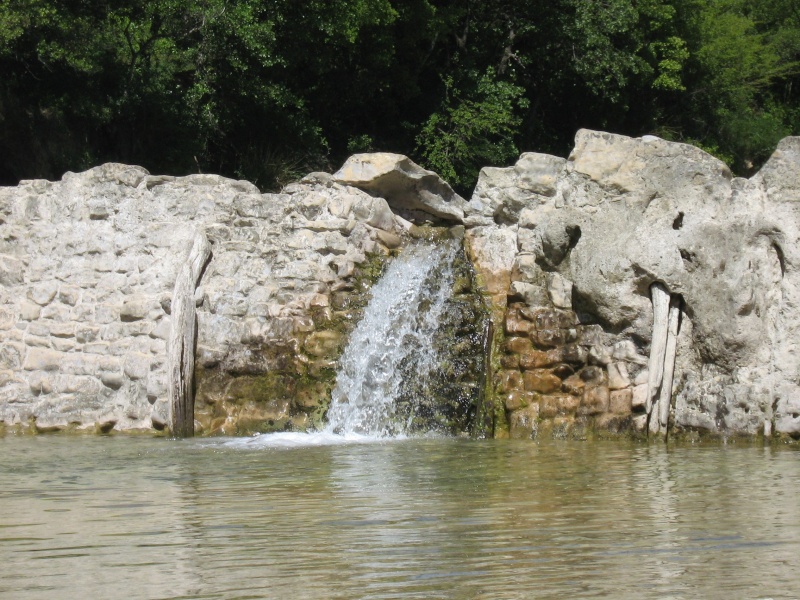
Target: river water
{"points": [[294, 516]]}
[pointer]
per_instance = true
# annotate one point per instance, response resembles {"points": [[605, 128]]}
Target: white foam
{"points": [[300, 440], [393, 341]]}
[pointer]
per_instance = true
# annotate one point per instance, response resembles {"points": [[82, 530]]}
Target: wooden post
{"points": [[665, 394], [658, 346], [180, 352]]}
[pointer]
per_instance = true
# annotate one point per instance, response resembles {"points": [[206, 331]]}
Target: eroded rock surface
{"points": [[593, 234], [411, 190]]}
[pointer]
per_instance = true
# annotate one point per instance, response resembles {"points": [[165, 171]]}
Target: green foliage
{"points": [[745, 60], [473, 129], [269, 90]]}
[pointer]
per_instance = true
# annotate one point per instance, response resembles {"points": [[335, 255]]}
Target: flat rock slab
{"points": [[404, 184]]}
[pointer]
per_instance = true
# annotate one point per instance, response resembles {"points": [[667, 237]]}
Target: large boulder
{"points": [[410, 190]]}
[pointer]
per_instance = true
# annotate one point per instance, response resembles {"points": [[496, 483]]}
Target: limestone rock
{"points": [[503, 194], [622, 214], [404, 184]]}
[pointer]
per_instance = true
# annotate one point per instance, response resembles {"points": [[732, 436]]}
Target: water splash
{"points": [[393, 341]]}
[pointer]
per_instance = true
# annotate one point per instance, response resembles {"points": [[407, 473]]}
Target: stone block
{"points": [[550, 338], [388, 239], [43, 359], [621, 401], [83, 313], [7, 319], [517, 398], [563, 371], [515, 325], [113, 332], [57, 312], [35, 340], [11, 355], [374, 212], [62, 330], [536, 359], [641, 377], [63, 344], [88, 364], [7, 376], [539, 173], [40, 383], [639, 422], [106, 313], [613, 423], [548, 407], [626, 350], [558, 404], [137, 328], [323, 343], [86, 333], [510, 361], [43, 293], [618, 377], [162, 330], [595, 400], [112, 379], [134, 309], [574, 384], [518, 345], [523, 423], [11, 270], [69, 294], [97, 348], [542, 381], [530, 240], [591, 335], [600, 355], [531, 293], [574, 354], [639, 397], [319, 301], [77, 384], [525, 269], [510, 380], [593, 375], [38, 329], [28, 311], [136, 366], [156, 386], [550, 318]]}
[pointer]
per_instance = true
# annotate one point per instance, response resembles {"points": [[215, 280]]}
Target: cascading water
{"points": [[413, 363], [393, 342]]}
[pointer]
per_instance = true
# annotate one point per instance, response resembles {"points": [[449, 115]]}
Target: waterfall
{"points": [[393, 342]]}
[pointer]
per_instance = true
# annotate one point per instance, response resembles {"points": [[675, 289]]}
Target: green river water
{"points": [[301, 517]]}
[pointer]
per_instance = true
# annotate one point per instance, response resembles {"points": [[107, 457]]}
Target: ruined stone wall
{"points": [[87, 271], [635, 286]]}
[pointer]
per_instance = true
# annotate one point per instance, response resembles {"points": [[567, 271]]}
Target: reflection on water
{"points": [[309, 517]]}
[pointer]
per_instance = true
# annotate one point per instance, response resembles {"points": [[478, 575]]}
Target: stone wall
{"points": [[87, 272], [636, 286]]}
